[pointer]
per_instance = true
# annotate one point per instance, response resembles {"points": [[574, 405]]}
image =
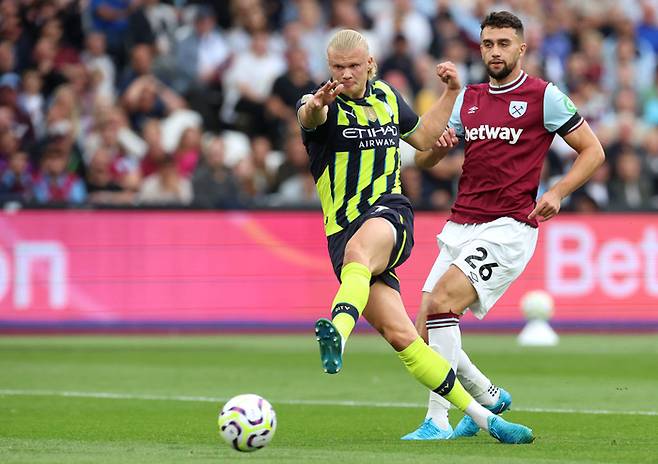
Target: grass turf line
{"points": [[583, 372]]}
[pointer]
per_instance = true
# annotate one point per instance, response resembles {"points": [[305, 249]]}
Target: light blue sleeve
{"points": [[455, 118], [558, 108], [78, 193]]}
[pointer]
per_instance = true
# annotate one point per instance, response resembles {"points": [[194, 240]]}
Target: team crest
{"points": [[371, 114], [517, 108]]}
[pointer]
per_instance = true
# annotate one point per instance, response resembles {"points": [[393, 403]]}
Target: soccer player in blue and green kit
{"points": [[352, 128]]}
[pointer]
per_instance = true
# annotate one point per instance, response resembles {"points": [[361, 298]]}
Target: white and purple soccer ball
{"points": [[247, 422], [537, 305]]}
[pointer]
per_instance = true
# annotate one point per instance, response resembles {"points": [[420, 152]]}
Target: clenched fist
{"points": [[447, 72]]}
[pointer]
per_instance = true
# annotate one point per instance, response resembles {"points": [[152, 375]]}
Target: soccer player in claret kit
{"points": [[352, 126], [508, 125]]}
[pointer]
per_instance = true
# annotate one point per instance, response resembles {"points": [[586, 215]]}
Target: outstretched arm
{"points": [[428, 159], [313, 112], [435, 120], [590, 157]]}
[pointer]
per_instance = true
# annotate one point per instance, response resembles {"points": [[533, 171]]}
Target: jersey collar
{"points": [[515, 84]]}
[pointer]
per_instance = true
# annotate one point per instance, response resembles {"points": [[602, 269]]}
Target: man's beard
{"points": [[502, 74]]}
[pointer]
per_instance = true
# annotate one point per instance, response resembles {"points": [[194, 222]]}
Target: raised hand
{"points": [[447, 72], [325, 95]]}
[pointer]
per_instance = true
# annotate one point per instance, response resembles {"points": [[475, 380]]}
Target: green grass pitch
{"points": [[111, 399]]}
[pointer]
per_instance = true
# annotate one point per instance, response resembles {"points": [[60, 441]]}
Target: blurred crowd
{"points": [[172, 103]]}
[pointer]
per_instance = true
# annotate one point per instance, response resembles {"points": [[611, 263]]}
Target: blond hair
{"points": [[348, 39]]}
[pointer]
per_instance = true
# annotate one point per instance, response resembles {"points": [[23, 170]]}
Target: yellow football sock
{"points": [[433, 371], [351, 299]]}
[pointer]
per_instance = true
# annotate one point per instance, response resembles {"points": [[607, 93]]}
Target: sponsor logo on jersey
{"points": [[487, 132], [385, 136], [473, 109], [517, 108]]}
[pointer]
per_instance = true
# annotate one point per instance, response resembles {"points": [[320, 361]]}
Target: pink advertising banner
{"points": [[270, 270]]}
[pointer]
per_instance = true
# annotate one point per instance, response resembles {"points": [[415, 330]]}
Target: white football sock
{"points": [[479, 414], [445, 338], [475, 382]]}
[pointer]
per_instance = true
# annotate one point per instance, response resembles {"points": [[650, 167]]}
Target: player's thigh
{"points": [[386, 313], [453, 292], [372, 245], [491, 267]]}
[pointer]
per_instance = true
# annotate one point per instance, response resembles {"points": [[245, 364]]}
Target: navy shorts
{"points": [[397, 210]]}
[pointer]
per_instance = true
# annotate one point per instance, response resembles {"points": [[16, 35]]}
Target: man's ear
{"points": [[524, 47]]}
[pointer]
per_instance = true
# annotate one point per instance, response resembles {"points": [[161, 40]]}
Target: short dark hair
{"points": [[502, 19]]}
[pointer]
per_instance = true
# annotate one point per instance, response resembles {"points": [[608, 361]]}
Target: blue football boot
{"points": [[509, 432], [428, 430], [331, 350], [467, 426]]}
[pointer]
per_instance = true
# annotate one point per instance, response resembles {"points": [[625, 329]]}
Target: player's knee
{"points": [[397, 336], [355, 253], [441, 300]]}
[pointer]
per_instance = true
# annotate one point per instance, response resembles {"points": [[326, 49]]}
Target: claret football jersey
{"points": [[507, 132], [355, 155]]}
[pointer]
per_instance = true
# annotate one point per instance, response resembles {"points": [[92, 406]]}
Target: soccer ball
{"points": [[537, 305], [247, 422]]}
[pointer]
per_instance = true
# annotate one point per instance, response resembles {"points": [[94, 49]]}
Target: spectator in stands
{"points": [[147, 97], [7, 60], [43, 60], [99, 65], [55, 184], [163, 22], [403, 18], [113, 134], [246, 91], [214, 184], [412, 185], [65, 54], [311, 24], [286, 91], [249, 18], [141, 64], [8, 142], [624, 50], [101, 183], [292, 183], [400, 60], [597, 189], [16, 178], [439, 181], [111, 18], [601, 52], [630, 189], [21, 124], [188, 152], [165, 187], [650, 149], [295, 161], [31, 101], [202, 58], [155, 152]]}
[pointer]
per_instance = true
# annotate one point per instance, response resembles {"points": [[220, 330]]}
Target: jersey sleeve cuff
{"points": [[413, 129]]}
